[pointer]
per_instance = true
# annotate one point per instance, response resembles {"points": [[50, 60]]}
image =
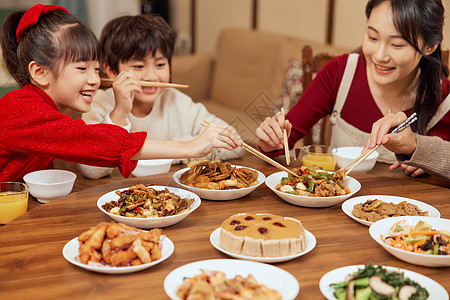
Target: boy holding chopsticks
{"points": [[139, 48]]}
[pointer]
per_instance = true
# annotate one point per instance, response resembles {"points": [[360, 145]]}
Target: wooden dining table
{"points": [[32, 265]]}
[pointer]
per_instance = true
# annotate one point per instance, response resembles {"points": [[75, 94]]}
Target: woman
{"points": [[399, 69]]}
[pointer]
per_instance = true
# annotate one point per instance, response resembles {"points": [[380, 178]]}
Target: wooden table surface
{"points": [[32, 265]]}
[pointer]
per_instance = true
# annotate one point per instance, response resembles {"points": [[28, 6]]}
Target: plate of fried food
{"points": [[215, 180], [222, 278], [115, 248], [148, 206], [313, 188], [371, 208], [416, 240]]}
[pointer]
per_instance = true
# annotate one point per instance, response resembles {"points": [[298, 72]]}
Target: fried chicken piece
{"points": [[116, 229], [151, 236], [123, 241], [106, 250], [95, 242], [155, 254], [87, 234], [141, 252], [122, 257]]}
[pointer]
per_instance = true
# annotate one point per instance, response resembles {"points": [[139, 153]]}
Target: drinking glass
{"points": [[319, 155], [13, 200]]}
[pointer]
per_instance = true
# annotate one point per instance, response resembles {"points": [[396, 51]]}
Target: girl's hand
{"points": [[213, 137], [270, 132], [124, 87], [409, 170]]}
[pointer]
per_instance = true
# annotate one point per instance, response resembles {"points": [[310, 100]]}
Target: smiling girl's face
{"points": [[390, 59]]}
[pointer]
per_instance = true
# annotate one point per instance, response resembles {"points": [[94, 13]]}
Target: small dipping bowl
{"points": [[147, 167], [46, 185], [345, 155]]}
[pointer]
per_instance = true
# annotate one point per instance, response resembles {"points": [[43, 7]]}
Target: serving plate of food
{"points": [[278, 283], [418, 240], [115, 248], [220, 181], [148, 206], [366, 281], [371, 208], [314, 188]]}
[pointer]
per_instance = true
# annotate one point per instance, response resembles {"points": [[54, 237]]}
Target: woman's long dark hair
{"points": [[421, 20], [56, 39]]}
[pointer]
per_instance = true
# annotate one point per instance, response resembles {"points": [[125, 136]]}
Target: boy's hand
{"points": [[213, 137], [270, 132], [124, 87]]}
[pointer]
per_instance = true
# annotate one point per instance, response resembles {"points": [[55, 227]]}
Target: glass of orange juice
{"points": [[13, 200], [319, 155]]}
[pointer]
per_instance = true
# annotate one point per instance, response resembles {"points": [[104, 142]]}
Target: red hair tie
{"points": [[31, 16]]}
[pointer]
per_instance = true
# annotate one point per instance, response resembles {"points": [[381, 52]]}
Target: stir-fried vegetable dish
{"points": [[313, 181], [375, 282], [146, 202], [421, 238]]}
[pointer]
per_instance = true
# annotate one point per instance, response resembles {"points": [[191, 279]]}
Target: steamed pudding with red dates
{"points": [[262, 235]]}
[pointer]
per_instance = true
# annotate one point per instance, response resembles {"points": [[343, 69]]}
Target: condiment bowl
{"points": [[152, 166], [345, 155], [46, 185]]}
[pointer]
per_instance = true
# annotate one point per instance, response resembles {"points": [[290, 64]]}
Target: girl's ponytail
{"points": [[9, 48]]}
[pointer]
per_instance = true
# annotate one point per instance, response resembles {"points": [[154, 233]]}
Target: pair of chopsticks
{"points": [[255, 152], [411, 119], [286, 144], [106, 82]]}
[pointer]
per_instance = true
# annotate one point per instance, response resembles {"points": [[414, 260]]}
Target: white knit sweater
{"points": [[174, 116]]}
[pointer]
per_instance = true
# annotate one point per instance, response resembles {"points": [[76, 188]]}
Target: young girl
{"points": [[399, 69], [54, 58], [140, 47]]}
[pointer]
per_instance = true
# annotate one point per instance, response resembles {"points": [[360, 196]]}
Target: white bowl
{"points": [[219, 195], [156, 222], [147, 167], [46, 185], [382, 228], [344, 155], [274, 179]]}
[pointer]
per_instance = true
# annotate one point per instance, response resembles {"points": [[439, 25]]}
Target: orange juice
{"points": [[326, 161], [12, 205]]}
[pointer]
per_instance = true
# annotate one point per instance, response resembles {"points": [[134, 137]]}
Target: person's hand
{"points": [[213, 137], [409, 170], [124, 87], [403, 142], [270, 132]]}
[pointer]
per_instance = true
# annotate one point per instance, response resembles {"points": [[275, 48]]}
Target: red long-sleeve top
{"points": [[33, 133], [360, 109]]}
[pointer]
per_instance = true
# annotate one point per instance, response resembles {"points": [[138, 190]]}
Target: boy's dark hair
{"points": [[58, 38], [135, 37]]}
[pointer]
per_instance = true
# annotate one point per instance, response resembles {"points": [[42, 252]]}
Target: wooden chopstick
{"points": [[286, 144], [105, 82], [411, 119], [255, 152]]}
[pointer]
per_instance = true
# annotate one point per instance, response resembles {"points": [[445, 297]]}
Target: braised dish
{"points": [[374, 210], [217, 175]]}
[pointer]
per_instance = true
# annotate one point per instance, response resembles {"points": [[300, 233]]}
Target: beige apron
{"points": [[343, 134]]}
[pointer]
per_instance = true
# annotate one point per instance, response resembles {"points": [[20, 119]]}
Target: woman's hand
{"points": [[213, 137], [124, 87], [409, 170], [270, 132]]}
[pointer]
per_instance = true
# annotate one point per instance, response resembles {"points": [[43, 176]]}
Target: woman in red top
{"points": [[53, 57], [399, 69]]}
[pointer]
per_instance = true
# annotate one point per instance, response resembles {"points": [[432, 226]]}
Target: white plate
{"points": [[70, 252], [435, 290], [274, 179], [157, 222], [347, 206], [219, 195], [382, 227], [271, 276], [214, 238]]}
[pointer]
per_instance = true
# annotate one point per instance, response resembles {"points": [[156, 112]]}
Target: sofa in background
{"points": [[243, 83]]}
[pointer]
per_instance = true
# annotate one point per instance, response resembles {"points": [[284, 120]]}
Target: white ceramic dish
{"points": [[47, 185], [435, 290], [70, 252], [347, 206], [147, 223], [219, 195], [274, 179], [382, 228], [271, 276], [151, 167], [345, 155], [214, 238]]}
